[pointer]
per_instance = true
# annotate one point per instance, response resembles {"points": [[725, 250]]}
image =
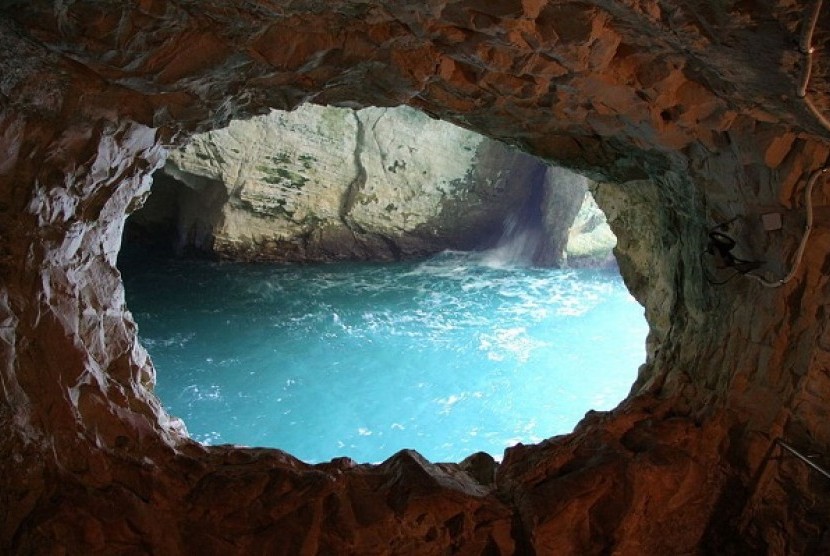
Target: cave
{"points": [[416, 286], [324, 184], [705, 127]]}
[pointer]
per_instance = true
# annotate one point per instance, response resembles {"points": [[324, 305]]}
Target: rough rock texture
{"points": [[590, 241], [689, 113], [325, 183], [587, 239]]}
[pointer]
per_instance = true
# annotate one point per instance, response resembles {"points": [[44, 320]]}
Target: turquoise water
{"points": [[449, 356]]}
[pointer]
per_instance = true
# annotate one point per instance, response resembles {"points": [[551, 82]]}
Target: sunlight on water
{"points": [[449, 356]]}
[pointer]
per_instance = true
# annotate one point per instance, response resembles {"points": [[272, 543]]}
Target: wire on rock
{"points": [[814, 109], [806, 47], [799, 254]]}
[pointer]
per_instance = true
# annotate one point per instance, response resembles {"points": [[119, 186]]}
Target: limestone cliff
{"points": [[325, 183], [590, 240], [700, 119]]}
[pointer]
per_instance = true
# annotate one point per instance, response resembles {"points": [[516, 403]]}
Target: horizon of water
{"points": [[448, 356]]}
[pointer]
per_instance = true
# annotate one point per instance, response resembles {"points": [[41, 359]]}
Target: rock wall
{"points": [[691, 115], [590, 241], [326, 183]]}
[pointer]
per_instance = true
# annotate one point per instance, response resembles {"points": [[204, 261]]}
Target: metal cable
{"points": [[814, 109], [803, 458], [806, 43], [799, 254], [806, 47]]}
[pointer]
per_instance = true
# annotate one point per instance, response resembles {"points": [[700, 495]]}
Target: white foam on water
{"points": [[458, 352]]}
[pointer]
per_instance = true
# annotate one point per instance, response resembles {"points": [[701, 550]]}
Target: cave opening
{"points": [[452, 335], [696, 115]]}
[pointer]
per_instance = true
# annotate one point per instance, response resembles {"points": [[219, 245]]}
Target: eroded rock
{"points": [[688, 116], [325, 183]]}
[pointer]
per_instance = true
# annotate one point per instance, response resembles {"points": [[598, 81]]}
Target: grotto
{"points": [[704, 124]]}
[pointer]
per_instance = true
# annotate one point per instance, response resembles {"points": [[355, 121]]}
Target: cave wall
{"points": [[325, 183], [687, 113], [590, 241], [322, 183]]}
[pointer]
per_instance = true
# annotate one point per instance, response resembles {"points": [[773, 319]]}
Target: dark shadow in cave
{"points": [[177, 219]]}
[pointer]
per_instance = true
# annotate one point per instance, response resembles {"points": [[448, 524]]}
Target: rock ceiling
{"points": [[693, 114]]}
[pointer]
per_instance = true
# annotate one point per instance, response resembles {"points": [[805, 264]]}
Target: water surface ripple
{"points": [[449, 356]]}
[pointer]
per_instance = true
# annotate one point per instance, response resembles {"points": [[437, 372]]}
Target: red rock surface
{"points": [[687, 110]]}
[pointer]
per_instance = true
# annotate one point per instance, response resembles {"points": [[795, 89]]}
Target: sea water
{"points": [[448, 356]]}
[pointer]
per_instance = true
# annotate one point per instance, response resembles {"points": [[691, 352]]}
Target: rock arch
{"points": [[688, 113]]}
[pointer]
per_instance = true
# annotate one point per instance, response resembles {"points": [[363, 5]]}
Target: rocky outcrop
{"points": [[325, 183], [590, 240], [690, 115]]}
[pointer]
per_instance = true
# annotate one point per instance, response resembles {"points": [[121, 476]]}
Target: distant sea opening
{"points": [[448, 356]]}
